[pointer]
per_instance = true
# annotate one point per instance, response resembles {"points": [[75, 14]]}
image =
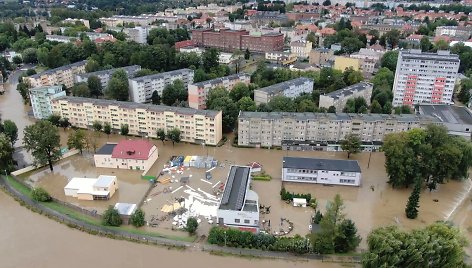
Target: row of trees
{"points": [[111, 217], [8, 137]]}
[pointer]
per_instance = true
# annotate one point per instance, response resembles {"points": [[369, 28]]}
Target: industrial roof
{"points": [[321, 164], [447, 113], [235, 188]]}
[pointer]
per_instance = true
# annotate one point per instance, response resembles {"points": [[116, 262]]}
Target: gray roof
{"points": [[161, 75], [447, 113], [65, 67], [235, 188], [134, 105], [439, 56], [350, 90], [104, 181], [321, 164], [106, 149], [221, 79], [280, 87], [125, 208], [128, 69]]}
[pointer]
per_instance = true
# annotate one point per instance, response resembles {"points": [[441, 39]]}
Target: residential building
{"points": [[461, 33], [282, 58], [127, 154], [457, 119], [292, 88], [339, 97], [239, 205], [321, 131], [197, 92], [321, 56], [196, 126], [137, 34], [41, 100], [369, 59], [106, 75], [86, 23], [321, 171], [101, 188], [141, 88], [342, 63], [61, 38], [63, 75], [423, 77], [230, 40], [301, 48]]}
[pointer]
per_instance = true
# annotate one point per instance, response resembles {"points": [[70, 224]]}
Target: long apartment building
{"points": [[141, 88], [105, 75], [41, 100], [230, 40], [63, 75], [262, 129], [197, 92], [339, 97], [292, 88], [425, 77], [196, 126]]}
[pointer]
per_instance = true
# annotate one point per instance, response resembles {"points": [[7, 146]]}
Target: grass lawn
{"points": [[19, 187]]}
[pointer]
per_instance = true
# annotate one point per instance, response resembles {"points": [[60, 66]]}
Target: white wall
{"points": [[323, 177], [229, 217]]}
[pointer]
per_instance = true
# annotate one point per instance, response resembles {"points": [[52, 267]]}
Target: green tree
{"points": [[306, 105], [77, 140], [282, 104], [389, 60], [111, 217], [161, 134], [155, 98], [40, 195], [11, 130], [97, 126], [192, 225], [441, 45], [17, 60], [210, 59], [54, 119], [92, 66], [107, 129], [124, 130], [174, 135], [174, 93], [239, 91], [375, 107], [392, 38], [95, 86], [425, 44], [247, 54], [346, 238], [64, 123], [23, 89], [351, 144], [412, 206], [137, 218], [6, 153], [81, 90], [118, 86], [43, 141], [247, 104], [331, 109]]}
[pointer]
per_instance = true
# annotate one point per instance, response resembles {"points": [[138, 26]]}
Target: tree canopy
{"points": [[43, 141]]}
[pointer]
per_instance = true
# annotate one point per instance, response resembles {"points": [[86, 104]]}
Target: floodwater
{"points": [[28, 239]]}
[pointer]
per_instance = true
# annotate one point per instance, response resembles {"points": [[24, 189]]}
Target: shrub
{"points": [[40, 195], [285, 195], [137, 218], [111, 217], [192, 225]]}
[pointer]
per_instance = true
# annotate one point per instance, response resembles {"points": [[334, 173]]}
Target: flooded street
{"points": [[28, 239]]}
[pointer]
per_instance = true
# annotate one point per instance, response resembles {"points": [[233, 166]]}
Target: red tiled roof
{"points": [[255, 165], [185, 43], [132, 149]]}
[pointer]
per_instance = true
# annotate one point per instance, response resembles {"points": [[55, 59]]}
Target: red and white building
{"points": [[127, 154], [425, 77]]}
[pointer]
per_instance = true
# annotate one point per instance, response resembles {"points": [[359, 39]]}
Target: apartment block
{"points": [[282, 58], [368, 59], [41, 100], [321, 56], [342, 63], [301, 48], [106, 75], [196, 126], [425, 77], [197, 93], [292, 88], [462, 33], [141, 88], [137, 34], [316, 131], [339, 97], [63, 75]]}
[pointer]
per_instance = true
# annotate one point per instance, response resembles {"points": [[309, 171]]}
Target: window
{"points": [[246, 221], [237, 220]]}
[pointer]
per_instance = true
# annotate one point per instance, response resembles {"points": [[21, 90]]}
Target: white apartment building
{"points": [[105, 75], [60, 38], [239, 205], [339, 97], [141, 88], [301, 48], [196, 126], [41, 100], [63, 75], [137, 34], [197, 92], [425, 77], [292, 88], [321, 171], [316, 131]]}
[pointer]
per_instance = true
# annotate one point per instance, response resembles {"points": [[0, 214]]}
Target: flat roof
{"points": [[447, 113], [127, 69], [219, 80], [321, 164], [106, 149], [65, 67], [349, 90], [235, 188], [276, 88], [125, 208], [160, 75], [104, 180]]}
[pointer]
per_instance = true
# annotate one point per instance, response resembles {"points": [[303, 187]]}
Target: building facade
{"points": [[196, 126], [292, 88], [141, 88], [282, 58], [239, 205], [261, 129], [461, 33], [197, 92], [105, 75], [127, 154], [425, 77], [301, 48], [339, 97], [41, 100], [101, 188], [63, 75], [321, 171], [137, 34], [321, 56], [342, 63]]}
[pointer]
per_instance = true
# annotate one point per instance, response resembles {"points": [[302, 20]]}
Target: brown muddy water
{"points": [[28, 239]]}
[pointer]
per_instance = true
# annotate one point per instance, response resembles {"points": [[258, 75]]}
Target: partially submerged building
{"points": [[127, 154], [101, 188]]}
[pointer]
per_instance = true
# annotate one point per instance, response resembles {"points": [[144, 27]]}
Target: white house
{"points": [[101, 188], [239, 206], [321, 171]]}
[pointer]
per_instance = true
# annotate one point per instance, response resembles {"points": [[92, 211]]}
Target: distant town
{"points": [[337, 131]]}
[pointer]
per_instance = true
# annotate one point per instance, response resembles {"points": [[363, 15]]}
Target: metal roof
{"points": [[321, 164], [106, 149], [235, 188], [447, 113]]}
